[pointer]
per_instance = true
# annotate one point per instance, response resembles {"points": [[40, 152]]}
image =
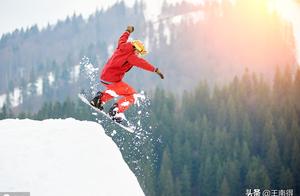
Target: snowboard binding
{"points": [[96, 101], [113, 113]]}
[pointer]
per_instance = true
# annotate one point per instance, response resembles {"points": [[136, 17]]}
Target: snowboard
{"points": [[128, 127]]}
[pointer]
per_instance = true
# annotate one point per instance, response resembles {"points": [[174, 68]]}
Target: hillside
{"points": [[213, 43], [62, 157]]}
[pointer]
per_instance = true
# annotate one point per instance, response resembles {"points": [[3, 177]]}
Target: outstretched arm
{"points": [[124, 37], [141, 63]]}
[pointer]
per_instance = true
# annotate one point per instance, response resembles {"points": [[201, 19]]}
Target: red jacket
{"points": [[122, 60]]}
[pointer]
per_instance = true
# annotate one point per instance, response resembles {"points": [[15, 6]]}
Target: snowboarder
{"points": [[126, 55]]}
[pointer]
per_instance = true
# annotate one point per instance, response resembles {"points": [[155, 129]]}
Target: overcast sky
{"points": [[24, 13]]}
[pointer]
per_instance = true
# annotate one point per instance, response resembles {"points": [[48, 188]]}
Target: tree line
{"points": [[244, 135]]}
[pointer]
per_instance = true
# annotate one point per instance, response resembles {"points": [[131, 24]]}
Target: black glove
{"points": [[159, 73], [130, 29]]}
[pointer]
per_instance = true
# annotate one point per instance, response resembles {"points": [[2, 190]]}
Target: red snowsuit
{"points": [[122, 60]]}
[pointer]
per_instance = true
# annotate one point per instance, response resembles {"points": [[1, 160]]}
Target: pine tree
{"points": [[232, 174], [177, 155], [246, 131], [4, 112], [206, 177], [277, 85], [232, 117], [178, 187], [225, 188], [244, 161], [296, 90], [257, 175], [185, 182], [68, 108], [148, 179], [273, 161], [295, 164], [166, 184], [2, 115], [267, 133], [286, 180]]}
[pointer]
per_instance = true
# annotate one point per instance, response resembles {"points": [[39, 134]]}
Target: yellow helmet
{"points": [[139, 46]]}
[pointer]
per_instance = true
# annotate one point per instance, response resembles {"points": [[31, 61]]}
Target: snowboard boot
{"points": [[96, 101], [113, 113]]}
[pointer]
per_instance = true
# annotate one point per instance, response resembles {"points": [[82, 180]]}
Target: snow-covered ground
{"points": [[62, 157]]}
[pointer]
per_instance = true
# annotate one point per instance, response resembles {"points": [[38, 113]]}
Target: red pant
{"points": [[119, 89]]}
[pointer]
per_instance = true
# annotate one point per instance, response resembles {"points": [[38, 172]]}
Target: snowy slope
{"points": [[62, 157]]}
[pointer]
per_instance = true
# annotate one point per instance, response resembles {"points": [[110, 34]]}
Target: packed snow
{"points": [[2, 99], [39, 86], [75, 71], [62, 157], [51, 78], [16, 98]]}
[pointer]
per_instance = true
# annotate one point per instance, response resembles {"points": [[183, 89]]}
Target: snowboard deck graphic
{"points": [[127, 128]]}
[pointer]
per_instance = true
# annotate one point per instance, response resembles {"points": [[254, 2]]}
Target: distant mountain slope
{"points": [[215, 43]]}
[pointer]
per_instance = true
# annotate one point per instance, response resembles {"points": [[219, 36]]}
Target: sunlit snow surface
{"points": [[62, 157]]}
